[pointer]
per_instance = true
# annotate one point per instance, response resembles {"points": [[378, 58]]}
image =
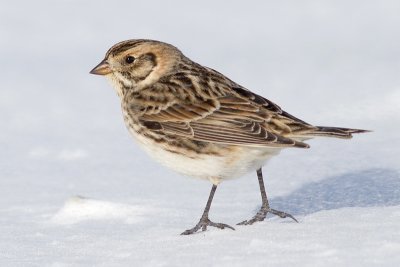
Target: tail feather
{"points": [[335, 132]]}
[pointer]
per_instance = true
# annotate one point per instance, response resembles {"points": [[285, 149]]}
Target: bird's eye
{"points": [[129, 59]]}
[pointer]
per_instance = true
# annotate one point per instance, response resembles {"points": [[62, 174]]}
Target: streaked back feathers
{"points": [[168, 94]]}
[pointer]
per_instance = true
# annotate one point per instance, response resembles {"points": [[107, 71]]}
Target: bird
{"points": [[198, 122]]}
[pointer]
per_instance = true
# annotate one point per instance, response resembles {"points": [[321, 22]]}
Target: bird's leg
{"points": [[265, 208], [204, 220]]}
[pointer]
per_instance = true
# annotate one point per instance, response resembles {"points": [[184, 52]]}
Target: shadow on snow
{"points": [[368, 188]]}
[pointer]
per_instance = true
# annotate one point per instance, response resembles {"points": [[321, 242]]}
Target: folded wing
{"points": [[239, 118]]}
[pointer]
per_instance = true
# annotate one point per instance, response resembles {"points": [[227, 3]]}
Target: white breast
{"points": [[233, 164]]}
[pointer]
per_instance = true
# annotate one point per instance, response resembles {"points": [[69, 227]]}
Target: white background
{"points": [[334, 63]]}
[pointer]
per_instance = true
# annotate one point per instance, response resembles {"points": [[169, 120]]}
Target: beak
{"points": [[102, 69]]}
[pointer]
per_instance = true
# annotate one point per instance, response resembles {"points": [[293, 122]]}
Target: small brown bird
{"points": [[200, 123]]}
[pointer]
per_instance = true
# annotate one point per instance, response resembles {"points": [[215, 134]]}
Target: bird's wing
{"points": [[239, 118]]}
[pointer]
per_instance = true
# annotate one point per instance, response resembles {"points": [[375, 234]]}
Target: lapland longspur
{"points": [[198, 122]]}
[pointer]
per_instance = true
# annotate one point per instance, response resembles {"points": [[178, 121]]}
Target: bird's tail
{"points": [[335, 132]]}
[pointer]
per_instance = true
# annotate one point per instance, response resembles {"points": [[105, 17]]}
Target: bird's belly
{"points": [[230, 162]]}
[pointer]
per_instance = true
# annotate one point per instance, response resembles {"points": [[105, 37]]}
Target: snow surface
{"points": [[76, 191]]}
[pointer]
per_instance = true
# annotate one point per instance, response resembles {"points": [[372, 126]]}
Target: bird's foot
{"points": [[203, 223], [262, 214]]}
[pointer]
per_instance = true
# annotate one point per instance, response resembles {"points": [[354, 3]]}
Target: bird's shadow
{"points": [[367, 188]]}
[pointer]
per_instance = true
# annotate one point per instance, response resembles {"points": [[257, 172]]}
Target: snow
{"points": [[76, 191], [78, 209]]}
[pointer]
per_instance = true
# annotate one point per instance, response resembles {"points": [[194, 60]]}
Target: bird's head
{"points": [[136, 64]]}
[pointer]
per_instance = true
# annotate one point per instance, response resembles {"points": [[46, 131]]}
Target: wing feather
{"points": [[229, 119]]}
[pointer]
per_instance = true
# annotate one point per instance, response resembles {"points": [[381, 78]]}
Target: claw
{"points": [[203, 223], [283, 214], [262, 214]]}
